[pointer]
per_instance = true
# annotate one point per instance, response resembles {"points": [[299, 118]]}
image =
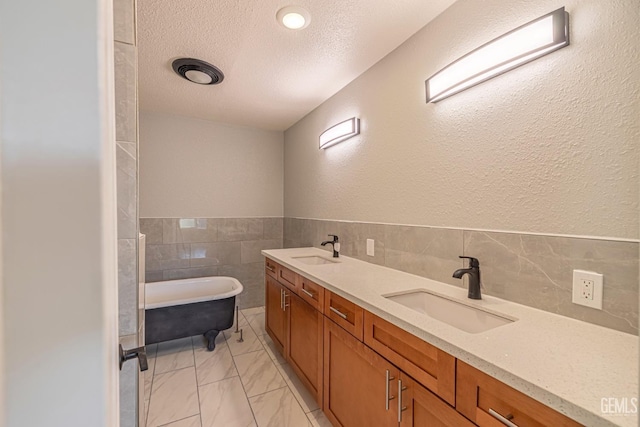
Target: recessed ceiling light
{"points": [[197, 71], [294, 17]]}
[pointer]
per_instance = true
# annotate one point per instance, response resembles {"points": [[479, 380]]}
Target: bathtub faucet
{"points": [[334, 243]]}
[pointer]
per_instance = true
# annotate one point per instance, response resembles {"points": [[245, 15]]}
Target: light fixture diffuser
{"points": [[294, 17], [340, 132], [524, 44], [197, 71]]}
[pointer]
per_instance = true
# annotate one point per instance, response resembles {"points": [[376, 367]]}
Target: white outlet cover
{"points": [[370, 247], [577, 298]]}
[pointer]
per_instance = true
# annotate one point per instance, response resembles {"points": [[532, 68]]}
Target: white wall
{"points": [[198, 168], [551, 147], [58, 214]]}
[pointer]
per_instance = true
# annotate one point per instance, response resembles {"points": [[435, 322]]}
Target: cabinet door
{"points": [[421, 408], [358, 383], [275, 316], [304, 351]]}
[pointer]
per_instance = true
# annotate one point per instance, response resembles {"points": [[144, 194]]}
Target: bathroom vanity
{"points": [[374, 351]]}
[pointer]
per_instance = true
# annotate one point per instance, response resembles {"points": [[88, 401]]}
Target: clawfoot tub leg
{"points": [[211, 335]]}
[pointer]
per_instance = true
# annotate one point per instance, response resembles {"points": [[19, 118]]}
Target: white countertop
{"points": [[567, 364]]}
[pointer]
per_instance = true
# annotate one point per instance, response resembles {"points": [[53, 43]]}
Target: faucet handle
{"points": [[335, 238], [473, 262]]}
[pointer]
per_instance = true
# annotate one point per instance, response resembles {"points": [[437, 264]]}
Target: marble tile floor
{"points": [[238, 384]]}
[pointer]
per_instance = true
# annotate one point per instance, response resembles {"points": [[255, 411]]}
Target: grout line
{"points": [[181, 419], [269, 391], [221, 379], [153, 375], [195, 367], [175, 370], [482, 230], [244, 389]]}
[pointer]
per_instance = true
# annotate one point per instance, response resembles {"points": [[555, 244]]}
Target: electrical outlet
{"points": [[587, 289], [370, 247]]}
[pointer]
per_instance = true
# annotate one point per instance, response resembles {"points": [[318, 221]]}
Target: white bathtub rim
{"points": [[237, 288]]}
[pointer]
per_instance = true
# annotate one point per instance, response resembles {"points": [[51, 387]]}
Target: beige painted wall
{"points": [[551, 147], [197, 168]]}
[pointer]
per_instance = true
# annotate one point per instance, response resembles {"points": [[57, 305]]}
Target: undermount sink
{"points": [[455, 313], [314, 260]]}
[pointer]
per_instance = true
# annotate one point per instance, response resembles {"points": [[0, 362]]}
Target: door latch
{"points": [[139, 352]]}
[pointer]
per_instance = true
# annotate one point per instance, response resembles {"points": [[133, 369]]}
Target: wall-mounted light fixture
{"points": [[526, 43], [340, 132]]}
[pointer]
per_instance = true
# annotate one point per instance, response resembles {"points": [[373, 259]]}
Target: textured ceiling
{"points": [[273, 76]]}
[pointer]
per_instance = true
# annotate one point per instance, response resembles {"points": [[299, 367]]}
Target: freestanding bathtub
{"points": [[182, 308]]}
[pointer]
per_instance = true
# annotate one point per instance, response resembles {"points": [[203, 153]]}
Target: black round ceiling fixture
{"points": [[197, 71]]}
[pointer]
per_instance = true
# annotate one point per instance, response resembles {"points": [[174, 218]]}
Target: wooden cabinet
{"points": [[344, 313], [434, 368], [424, 409], [271, 268], [361, 388], [287, 278], [275, 314], [312, 293], [305, 343], [358, 383], [365, 371], [484, 400], [295, 326]]}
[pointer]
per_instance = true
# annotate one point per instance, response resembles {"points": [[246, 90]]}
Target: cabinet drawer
{"points": [[478, 395], [344, 313], [287, 278], [271, 268], [312, 293], [429, 365]]}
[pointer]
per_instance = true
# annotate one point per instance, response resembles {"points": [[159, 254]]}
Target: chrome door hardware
{"points": [[506, 420], [400, 407], [138, 352], [338, 312], [387, 397]]}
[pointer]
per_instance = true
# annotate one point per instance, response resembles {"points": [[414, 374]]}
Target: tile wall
{"points": [[180, 248], [125, 52], [528, 269], [126, 147]]}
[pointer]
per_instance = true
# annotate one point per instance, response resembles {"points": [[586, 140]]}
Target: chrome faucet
{"points": [[334, 244], [474, 277]]}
